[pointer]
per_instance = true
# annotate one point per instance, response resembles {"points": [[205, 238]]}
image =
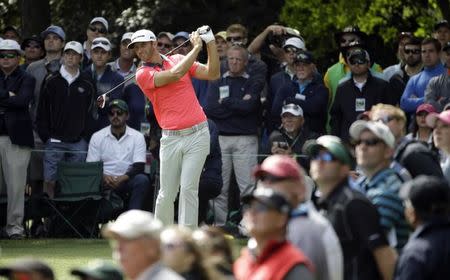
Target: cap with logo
{"points": [[10, 45], [99, 270], [304, 57], [358, 55], [331, 143], [350, 30], [380, 130], [270, 198], [280, 166], [143, 35], [75, 46], [119, 103], [55, 30], [101, 20], [101, 42], [293, 109], [126, 36]]}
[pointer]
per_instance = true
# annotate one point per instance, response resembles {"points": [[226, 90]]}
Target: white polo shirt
{"points": [[116, 155]]}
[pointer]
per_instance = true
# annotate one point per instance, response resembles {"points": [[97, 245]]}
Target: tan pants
{"points": [[13, 172]]}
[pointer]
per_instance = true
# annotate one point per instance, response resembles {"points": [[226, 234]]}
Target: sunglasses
{"points": [[347, 41], [119, 113], [99, 30], [291, 50], [233, 39], [368, 142], [413, 51], [324, 156], [167, 46], [357, 61], [8, 55], [100, 42]]}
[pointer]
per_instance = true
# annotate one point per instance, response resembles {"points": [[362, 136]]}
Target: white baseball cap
{"points": [[133, 224], [293, 109], [101, 42], [75, 46], [102, 20], [10, 45], [295, 42], [143, 35], [380, 130], [126, 36]]}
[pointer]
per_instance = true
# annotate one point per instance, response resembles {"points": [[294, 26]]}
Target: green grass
{"points": [[64, 254], [61, 254]]}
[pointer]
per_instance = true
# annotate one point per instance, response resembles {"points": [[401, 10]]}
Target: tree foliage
{"points": [[319, 20]]}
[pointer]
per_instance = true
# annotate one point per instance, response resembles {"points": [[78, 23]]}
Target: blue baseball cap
{"points": [[56, 30], [181, 34]]}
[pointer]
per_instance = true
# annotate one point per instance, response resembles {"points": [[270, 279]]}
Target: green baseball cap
{"points": [[119, 103], [99, 270], [331, 143]]}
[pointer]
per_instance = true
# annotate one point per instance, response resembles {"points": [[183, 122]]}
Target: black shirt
{"points": [[356, 222]]}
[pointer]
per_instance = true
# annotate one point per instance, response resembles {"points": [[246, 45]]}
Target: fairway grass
{"points": [[61, 254]]}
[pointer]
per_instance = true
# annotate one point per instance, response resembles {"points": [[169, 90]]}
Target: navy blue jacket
{"points": [[108, 80], [427, 253], [135, 99], [15, 108], [235, 115], [211, 177], [313, 100]]}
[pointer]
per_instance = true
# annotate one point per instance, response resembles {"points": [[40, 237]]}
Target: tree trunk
{"points": [[35, 16]]}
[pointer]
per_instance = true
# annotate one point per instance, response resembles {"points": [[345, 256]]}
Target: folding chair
{"points": [[78, 197]]}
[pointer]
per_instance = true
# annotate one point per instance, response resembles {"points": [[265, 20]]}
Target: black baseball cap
{"points": [[441, 23], [270, 198], [304, 56], [28, 265]]}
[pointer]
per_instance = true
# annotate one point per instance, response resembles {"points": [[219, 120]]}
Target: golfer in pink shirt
{"points": [[166, 81]]}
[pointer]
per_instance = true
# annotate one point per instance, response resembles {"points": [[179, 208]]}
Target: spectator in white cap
{"points": [[104, 77], [165, 41], [16, 134], [98, 27], [290, 137], [185, 140], [125, 64], [62, 118], [374, 151], [137, 246]]}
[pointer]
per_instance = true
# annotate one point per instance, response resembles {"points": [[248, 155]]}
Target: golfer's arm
{"points": [[179, 70], [210, 71]]}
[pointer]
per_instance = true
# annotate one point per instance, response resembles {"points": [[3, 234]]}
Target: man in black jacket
{"points": [[16, 134], [67, 98], [357, 94]]}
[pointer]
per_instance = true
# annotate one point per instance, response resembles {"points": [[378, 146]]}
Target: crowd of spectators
{"points": [[358, 160]]}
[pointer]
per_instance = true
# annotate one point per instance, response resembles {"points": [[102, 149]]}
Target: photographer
{"points": [[291, 136]]}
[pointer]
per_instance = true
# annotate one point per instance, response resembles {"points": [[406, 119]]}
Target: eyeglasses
{"points": [[386, 119], [368, 142], [8, 55], [119, 113], [256, 206], [167, 46], [99, 30], [413, 51], [324, 156], [233, 39]]}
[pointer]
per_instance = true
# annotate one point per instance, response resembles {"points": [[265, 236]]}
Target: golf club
{"points": [[102, 98]]}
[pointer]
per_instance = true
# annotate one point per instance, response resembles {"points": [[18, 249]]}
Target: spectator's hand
{"points": [[247, 97], [108, 180], [206, 33], [195, 39], [11, 94], [118, 180], [276, 30], [354, 175]]}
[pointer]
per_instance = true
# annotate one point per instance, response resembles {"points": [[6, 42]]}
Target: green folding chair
{"points": [[78, 197]]}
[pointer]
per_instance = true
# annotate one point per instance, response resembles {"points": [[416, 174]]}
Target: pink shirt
{"points": [[175, 104]]}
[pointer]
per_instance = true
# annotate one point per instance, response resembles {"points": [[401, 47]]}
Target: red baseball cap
{"points": [[280, 166], [426, 107]]}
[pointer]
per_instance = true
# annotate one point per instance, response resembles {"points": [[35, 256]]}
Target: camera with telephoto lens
{"points": [[278, 40]]}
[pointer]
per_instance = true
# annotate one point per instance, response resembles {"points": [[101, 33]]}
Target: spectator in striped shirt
{"points": [[374, 150]]}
